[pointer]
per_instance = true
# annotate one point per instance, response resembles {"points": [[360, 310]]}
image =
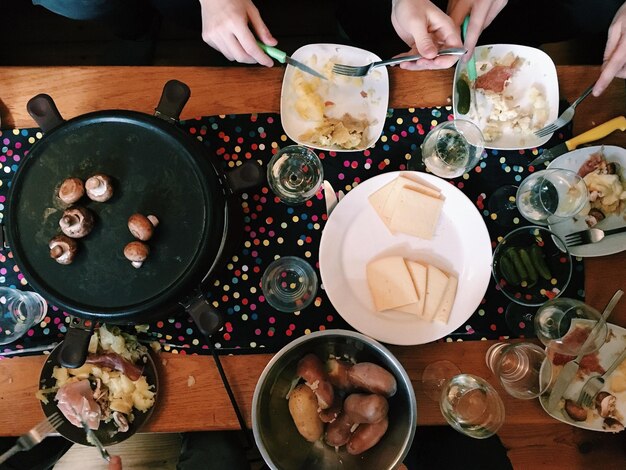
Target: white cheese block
{"points": [[379, 199], [390, 283], [436, 284], [418, 276], [447, 301], [416, 214]]}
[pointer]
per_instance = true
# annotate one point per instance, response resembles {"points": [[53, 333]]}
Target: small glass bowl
{"points": [[531, 265], [289, 284], [295, 174]]}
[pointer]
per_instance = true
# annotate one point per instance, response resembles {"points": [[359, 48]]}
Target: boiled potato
{"points": [[339, 431], [303, 410], [311, 369], [338, 373], [372, 378], [365, 408], [366, 436]]}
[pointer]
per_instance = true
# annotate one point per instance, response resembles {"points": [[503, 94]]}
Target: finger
{"points": [[115, 463], [475, 26], [611, 68], [250, 47], [237, 51], [260, 28], [611, 42]]}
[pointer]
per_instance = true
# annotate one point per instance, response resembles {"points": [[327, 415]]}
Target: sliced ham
{"points": [[495, 79], [116, 362], [591, 164], [77, 397]]}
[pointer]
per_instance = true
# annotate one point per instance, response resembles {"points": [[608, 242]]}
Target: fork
{"points": [[564, 118], [362, 70], [592, 235], [595, 383], [34, 436]]}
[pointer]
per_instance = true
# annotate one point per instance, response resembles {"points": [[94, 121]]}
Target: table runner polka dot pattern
{"points": [[273, 229]]}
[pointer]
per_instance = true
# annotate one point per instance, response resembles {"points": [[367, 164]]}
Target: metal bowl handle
{"points": [[44, 111]]}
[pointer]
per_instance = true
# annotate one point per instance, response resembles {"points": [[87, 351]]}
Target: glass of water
{"points": [[453, 148], [289, 284], [295, 174], [19, 311], [549, 196]]}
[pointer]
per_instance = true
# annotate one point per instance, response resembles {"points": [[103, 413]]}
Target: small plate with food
{"points": [[405, 258], [516, 94], [115, 390], [608, 410], [603, 169], [341, 113]]}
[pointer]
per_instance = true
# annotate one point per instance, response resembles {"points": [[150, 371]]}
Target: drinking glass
{"points": [[549, 196], [295, 174], [453, 148], [19, 311], [289, 284]]}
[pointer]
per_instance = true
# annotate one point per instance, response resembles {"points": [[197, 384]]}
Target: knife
{"points": [[472, 75], [591, 135], [283, 58], [569, 370], [330, 197], [91, 437]]}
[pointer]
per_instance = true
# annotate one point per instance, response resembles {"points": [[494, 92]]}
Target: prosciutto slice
{"points": [[75, 399], [116, 362]]}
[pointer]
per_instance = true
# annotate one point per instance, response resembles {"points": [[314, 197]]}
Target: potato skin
{"points": [[373, 378], [366, 436], [330, 414], [303, 409], [365, 408], [338, 432], [311, 369], [338, 373]]}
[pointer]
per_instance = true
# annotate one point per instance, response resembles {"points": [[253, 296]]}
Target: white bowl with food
{"points": [[516, 94], [344, 114]]}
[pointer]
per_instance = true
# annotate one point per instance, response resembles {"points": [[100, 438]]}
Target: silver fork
{"points": [[362, 70], [564, 118], [594, 384], [34, 436], [593, 235]]}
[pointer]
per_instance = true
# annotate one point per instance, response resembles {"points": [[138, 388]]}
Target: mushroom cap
{"points": [[140, 226], [71, 190], [63, 249], [99, 187], [77, 222], [136, 251]]}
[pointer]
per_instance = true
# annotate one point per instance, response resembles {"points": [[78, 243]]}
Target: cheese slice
{"points": [[420, 185], [447, 301], [379, 199], [436, 284], [418, 276], [401, 182], [416, 214], [390, 283]]}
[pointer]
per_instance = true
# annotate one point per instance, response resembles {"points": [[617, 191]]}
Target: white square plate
{"points": [[362, 97], [537, 70]]}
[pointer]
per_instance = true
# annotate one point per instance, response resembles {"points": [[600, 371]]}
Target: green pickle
{"points": [[539, 261], [513, 254], [530, 267], [463, 91], [508, 271]]}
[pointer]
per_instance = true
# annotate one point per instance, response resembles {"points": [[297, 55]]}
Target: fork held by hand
{"points": [[360, 71], [593, 235], [34, 436], [564, 118]]}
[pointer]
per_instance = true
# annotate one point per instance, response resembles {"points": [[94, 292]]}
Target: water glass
{"points": [[20, 310], [295, 174], [472, 406], [549, 196], [453, 148], [289, 284]]}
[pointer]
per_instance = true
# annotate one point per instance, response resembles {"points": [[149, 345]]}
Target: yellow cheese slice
{"points": [[420, 185], [401, 182], [379, 199], [435, 287], [447, 301], [416, 214], [390, 283], [418, 276]]}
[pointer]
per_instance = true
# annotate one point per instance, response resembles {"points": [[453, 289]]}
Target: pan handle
{"points": [[173, 99], [207, 319], [245, 176], [45, 113], [73, 352]]}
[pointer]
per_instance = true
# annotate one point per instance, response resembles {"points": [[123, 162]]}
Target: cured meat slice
{"points": [[77, 397]]}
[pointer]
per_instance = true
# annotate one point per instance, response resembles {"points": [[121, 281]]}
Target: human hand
{"points": [[614, 62], [115, 463], [426, 29], [482, 13], [230, 27]]}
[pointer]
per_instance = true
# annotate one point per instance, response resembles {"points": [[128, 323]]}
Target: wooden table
{"points": [[533, 438]]}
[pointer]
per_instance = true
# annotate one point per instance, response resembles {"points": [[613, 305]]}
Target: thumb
{"points": [[115, 463], [424, 44]]}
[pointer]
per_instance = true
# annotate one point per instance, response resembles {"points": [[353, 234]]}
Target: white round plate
{"points": [[608, 353], [364, 97], [537, 70], [615, 243], [355, 235]]}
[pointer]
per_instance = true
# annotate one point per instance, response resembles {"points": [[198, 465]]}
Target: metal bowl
{"points": [[276, 436]]}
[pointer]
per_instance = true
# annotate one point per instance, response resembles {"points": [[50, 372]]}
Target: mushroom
{"points": [[612, 424], [577, 413], [136, 253], [99, 187], [120, 421], [71, 190], [142, 227], [76, 222], [63, 249], [605, 404]]}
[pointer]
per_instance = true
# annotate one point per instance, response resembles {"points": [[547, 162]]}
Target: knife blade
{"points": [[569, 370], [283, 58], [591, 135], [472, 74], [330, 197], [91, 437]]}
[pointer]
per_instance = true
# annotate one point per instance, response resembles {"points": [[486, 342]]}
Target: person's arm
{"points": [[230, 27], [614, 63], [425, 29], [482, 13]]}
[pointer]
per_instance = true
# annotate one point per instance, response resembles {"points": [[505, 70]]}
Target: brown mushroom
{"points": [[605, 404], [99, 187], [76, 222], [142, 227], [136, 253], [612, 424], [577, 413], [63, 249], [71, 190]]}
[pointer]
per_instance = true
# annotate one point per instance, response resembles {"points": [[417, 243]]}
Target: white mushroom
{"points": [[71, 190], [99, 188], [76, 222], [142, 227], [136, 253], [63, 249]]}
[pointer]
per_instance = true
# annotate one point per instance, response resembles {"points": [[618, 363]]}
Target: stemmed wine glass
{"points": [[295, 173]]}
